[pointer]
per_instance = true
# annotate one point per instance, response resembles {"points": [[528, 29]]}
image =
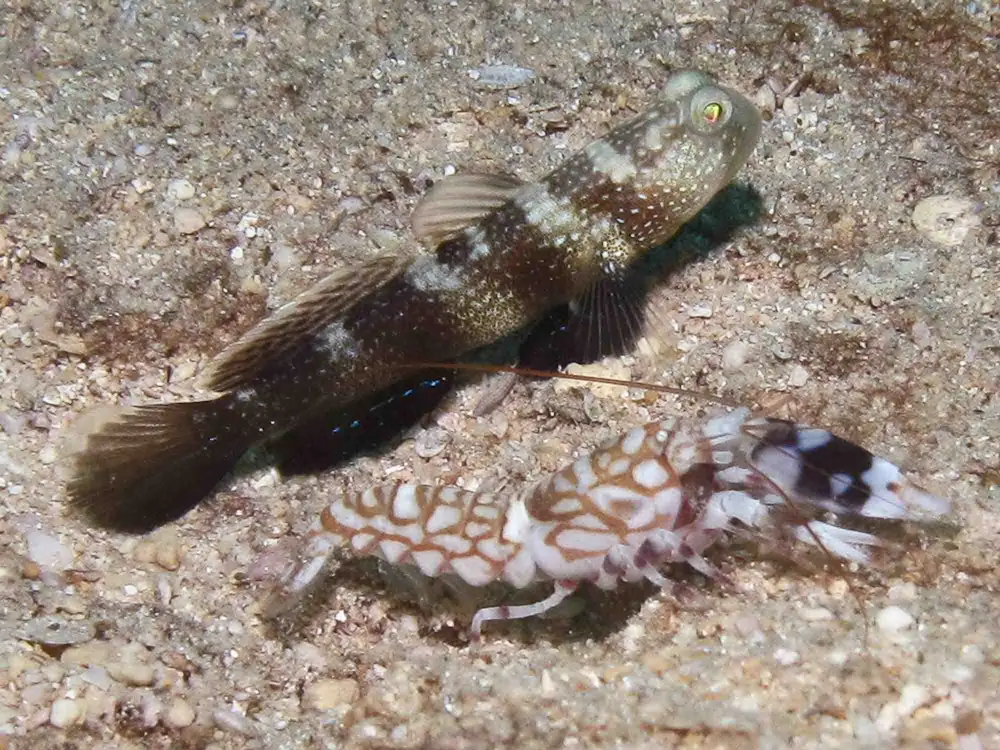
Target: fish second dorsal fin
{"points": [[294, 324], [457, 202]]}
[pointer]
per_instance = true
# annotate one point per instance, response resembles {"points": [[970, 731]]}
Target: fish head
{"points": [[691, 143]]}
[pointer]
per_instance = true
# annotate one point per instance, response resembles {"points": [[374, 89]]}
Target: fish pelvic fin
{"points": [[458, 202], [295, 324], [134, 469]]}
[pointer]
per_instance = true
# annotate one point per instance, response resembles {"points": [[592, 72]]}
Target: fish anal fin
{"points": [[458, 202], [296, 323]]}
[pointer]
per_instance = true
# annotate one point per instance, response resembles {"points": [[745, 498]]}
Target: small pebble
{"points": [[47, 455], [47, 551], [322, 695], [143, 150], [893, 618], [700, 311], [163, 590], [548, 686], [180, 190], [922, 336], [52, 630], [179, 714], [972, 654], [231, 721], [946, 220], [350, 205], [785, 657], [911, 697], [188, 220], [816, 614], [799, 377], [93, 654], [310, 655], [168, 554], [133, 673], [614, 369], [734, 356], [228, 101], [902, 592], [501, 76], [431, 442], [655, 662], [151, 708], [65, 712], [98, 677]]}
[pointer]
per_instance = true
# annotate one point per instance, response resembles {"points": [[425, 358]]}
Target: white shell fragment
{"points": [[946, 220], [47, 551], [893, 619], [501, 76], [52, 630]]}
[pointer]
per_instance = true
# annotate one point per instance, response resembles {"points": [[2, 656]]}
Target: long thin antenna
{"points": [[532, 373]]}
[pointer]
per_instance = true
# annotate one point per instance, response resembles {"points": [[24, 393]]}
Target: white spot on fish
{"points": [[338, 342], [480, 250], [618, 167], [428, 275], [653, 139], [542, 211]]}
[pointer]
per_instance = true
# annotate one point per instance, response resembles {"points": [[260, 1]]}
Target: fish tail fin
{"points": [[136, 468]]}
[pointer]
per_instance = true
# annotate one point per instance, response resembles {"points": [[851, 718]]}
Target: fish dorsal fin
{"points": [[294, 324], [457, 202]]}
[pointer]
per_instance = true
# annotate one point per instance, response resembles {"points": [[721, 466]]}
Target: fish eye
{"points": [[712, 113], [710, 109]]}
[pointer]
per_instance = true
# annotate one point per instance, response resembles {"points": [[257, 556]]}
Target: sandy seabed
{"points": [[172, 171]]}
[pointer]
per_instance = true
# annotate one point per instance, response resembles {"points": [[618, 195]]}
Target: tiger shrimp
{"points": [[662, 493]]}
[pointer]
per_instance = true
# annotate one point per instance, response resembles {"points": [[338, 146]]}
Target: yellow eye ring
{"points": [[713, 113]]}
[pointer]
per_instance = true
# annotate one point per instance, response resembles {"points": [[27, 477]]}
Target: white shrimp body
{"points": [[659, 493]]}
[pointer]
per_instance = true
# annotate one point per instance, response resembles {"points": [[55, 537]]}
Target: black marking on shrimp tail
{"points": [[823, 462], [152, 464]]}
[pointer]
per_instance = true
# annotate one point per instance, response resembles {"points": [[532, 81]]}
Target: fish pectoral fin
{"points": [[457, 202], [293, 325]]}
